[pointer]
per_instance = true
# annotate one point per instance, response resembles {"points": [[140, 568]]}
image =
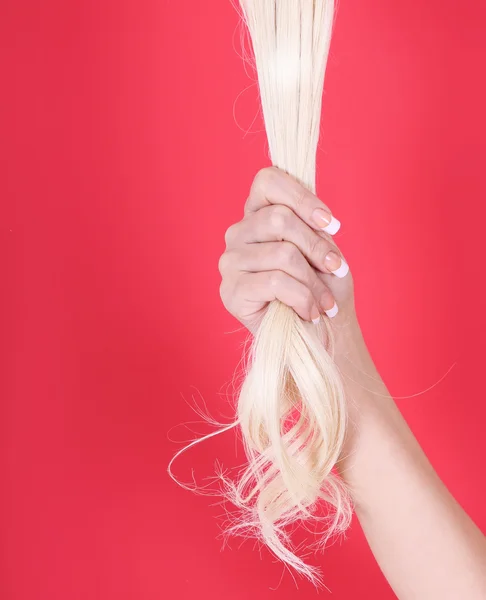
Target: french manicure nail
{"points": [[332, 312], [325, 221], [336, 265], [315, 316]]}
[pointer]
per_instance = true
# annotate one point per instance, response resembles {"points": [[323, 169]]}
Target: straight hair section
{"points": [[291, 407]]}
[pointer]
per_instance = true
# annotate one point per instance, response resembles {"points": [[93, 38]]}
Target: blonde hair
{"points": [[291, 407]]}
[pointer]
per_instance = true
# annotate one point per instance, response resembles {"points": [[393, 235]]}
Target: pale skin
{"points": [[426, 545]]}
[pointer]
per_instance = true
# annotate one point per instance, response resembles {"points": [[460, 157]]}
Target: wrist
{"points": [[368, 400]]}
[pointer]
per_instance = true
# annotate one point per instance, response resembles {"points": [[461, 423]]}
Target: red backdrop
{"points": [[121, 168]]}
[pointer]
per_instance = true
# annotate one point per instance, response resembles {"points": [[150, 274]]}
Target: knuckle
{"points": [[279, 217], [263, 178], [230, 234], [225, 263], [275, 279]]}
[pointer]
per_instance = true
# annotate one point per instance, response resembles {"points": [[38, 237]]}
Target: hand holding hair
{"points": [[280, 251], [291, 406], [426, 545], [312, 402]]}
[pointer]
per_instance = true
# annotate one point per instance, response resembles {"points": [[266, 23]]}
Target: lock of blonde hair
{"points": [[291, 406]]}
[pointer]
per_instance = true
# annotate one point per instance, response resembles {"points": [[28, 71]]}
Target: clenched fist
{"points": [[282, 249]]}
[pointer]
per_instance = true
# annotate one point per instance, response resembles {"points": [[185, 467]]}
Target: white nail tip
{"points": [[333, 226], [342, 271], [332, 312], [317, 320]]}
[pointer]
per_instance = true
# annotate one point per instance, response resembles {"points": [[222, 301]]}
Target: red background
{"points": [[121, 168]]}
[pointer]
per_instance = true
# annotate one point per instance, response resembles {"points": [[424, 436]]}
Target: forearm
{"points": [[423, 541]]}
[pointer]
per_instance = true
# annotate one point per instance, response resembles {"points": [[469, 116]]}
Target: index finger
{"points": [[274, 186]]}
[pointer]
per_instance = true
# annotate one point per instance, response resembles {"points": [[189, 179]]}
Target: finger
{"points": [[267, 286], [279, 223], [274, 186], [280, 256]]}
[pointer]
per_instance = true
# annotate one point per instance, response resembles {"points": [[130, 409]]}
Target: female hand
{"points": [[282, 249]]}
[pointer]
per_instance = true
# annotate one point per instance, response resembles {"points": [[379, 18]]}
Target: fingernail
{"points": [[332, 312], [337, 265], [316, 317], [325, 221]]}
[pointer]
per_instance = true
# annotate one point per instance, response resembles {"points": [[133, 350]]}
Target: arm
{"points": [[424, 542]]}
